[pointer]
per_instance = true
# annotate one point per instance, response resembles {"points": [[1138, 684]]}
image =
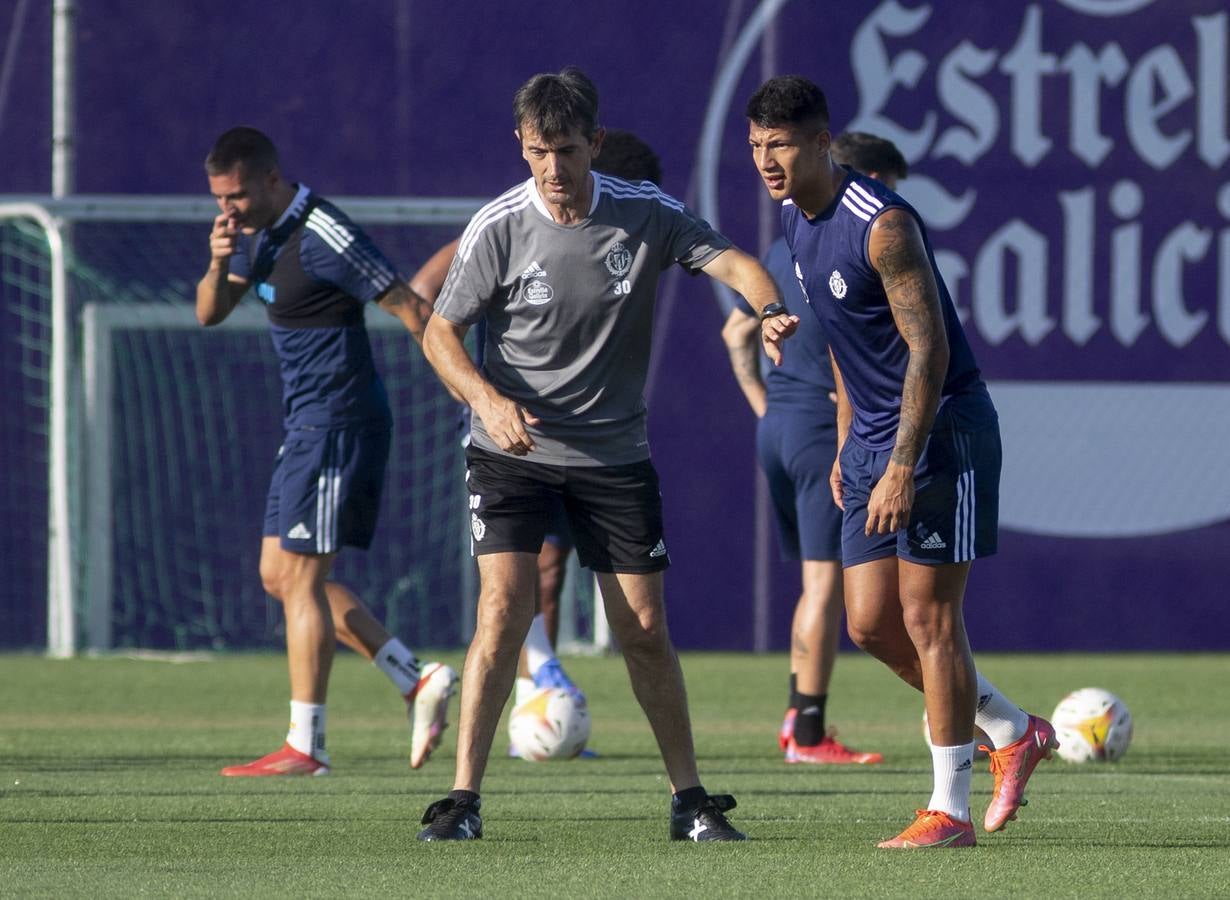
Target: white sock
{"points": [[538, 649], [1001, 719], [525, 689], [307, 728], [953, 767], [399, 663]]}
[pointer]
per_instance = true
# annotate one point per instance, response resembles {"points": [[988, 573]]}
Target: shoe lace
{"points": [[1004, 764], [445, 815], [927, 819], [997, 763]]}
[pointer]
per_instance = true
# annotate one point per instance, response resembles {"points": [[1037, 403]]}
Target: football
{"points": [[551, 724], [1092, 725]]}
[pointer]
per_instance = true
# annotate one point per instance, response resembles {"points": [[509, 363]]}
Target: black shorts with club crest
{"points": [[614, 512]]}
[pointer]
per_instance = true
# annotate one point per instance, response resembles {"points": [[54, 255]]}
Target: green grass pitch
{"points": [[109, 787]]}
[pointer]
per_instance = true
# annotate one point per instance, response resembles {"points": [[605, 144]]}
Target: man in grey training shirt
{"points": [[564, 268]]}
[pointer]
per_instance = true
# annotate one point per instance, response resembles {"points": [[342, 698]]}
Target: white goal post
{"points": [[61, 580]]}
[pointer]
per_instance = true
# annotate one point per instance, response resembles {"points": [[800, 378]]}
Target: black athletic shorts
{"points": [[614, 512]]}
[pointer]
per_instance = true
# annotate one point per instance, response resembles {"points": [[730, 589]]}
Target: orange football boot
{"points": [[286, 761], [932, 828], [1012, 767], [830, 751]]}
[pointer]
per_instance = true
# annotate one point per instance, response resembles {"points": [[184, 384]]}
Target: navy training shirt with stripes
{"points": [[844, 291], [314, 270]]}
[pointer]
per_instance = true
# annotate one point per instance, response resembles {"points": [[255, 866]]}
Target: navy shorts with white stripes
{"points": [[325, 489], [956, 499]]}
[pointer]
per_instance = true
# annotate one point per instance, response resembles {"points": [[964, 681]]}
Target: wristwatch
{"points": [[773, 309]]}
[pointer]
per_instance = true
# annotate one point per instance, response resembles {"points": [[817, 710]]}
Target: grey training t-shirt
{"points": [[569, 311]]}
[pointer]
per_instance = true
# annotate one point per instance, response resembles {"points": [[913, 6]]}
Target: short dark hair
{"points": [[626, 156], [788, 100], [555, 104], [244, 146], [868, 153]]}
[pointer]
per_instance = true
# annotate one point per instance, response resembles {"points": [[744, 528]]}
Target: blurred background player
{"points": [[917, 474], [564, 267], [796, 442], [626, 156], [314, 270]]}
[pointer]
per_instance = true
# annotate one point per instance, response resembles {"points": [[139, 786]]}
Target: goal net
{"points": [[167, 433]]}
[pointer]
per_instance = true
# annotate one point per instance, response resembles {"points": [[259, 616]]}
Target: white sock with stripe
{"points": [[953, 767], [399, 664], [307, 728], [1001, 719]]}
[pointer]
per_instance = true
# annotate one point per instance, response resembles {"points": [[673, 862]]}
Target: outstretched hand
{"points": [[773, 332]]}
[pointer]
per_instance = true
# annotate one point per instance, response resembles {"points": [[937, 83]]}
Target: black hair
{"points": [[789, 100], [555, 104], [626, 156], [244, 146], [868, 153]]}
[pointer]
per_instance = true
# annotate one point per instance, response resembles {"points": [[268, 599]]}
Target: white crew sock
{"points": [[525, 690], [1001, 719], [399, 663], [953, 767], [307, 728], [538, 649]]}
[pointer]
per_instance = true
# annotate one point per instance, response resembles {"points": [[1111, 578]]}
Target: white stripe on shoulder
{"points": [[341, 240], [853, 207], [343, 230], [377, 274], [362, 255], [865, 194], [511, 201], [851, 197], [330, 235], [638, 190]]}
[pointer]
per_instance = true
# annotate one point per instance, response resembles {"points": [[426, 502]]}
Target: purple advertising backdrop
{"points": [[1069, 157]]}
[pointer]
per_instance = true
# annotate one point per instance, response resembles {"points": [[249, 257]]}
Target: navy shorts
{"points": [[325, 490], [613, 512], [956, 499], [796, 453]]}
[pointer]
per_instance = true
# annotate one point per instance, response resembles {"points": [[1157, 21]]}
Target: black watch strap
{"points": [[773, 309]]}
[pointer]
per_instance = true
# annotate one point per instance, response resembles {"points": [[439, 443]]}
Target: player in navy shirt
{"points": [[796, 442], [917, 473], [314, 270]]}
